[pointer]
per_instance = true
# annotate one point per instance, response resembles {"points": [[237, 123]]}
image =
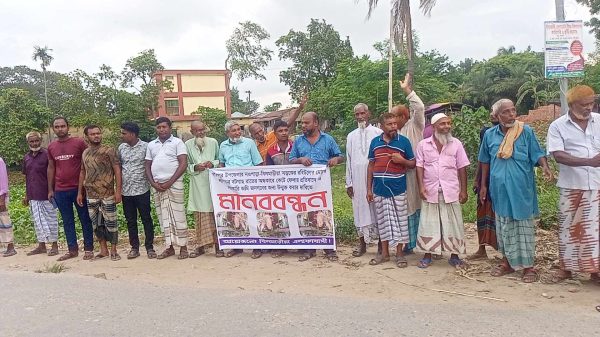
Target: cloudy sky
{"points": [[191, 34]]}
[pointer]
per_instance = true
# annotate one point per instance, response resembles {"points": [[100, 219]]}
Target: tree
{"points": [[214, 119], [19, 114], [272, 107], [314, 55], [401, 30], [509, 50], [246, 56], [594, 22], [240, 105], [42, 54], [142, 68]]}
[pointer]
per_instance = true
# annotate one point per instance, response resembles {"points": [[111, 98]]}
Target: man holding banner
{"points": [[238, 151], [315, 147], [203, 154]]}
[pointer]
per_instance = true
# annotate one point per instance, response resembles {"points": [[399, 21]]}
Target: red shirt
{"points": [[66, 156]]}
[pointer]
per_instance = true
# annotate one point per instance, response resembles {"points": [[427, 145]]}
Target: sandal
{"points": [[378, 260], [501, 270], [359, 251], [401, 262], [197, 252], [37, 251], [256, 253], [151, 254], [456, 262], [53, 252], [425, 263], [277, 253], [100, 256], [10, 252], [306, 256], [219, 253], [133, 254], [183, 254], [68, 255], [529, 276], [233, 252], [115, 257], [166, 253], [88, 255]]}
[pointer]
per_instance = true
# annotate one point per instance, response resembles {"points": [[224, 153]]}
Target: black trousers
{"points": [[132, 205]]}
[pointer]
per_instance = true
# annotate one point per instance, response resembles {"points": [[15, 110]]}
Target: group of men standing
{"points": [[406, 190]]}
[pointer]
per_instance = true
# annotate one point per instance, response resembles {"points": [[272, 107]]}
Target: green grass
{"points": [[55, 268]]}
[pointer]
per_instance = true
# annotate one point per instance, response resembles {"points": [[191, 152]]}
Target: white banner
{"points": [[273, 207], [563, 49]]}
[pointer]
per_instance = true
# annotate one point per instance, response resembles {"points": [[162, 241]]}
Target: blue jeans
{"points": [[65, 201]]}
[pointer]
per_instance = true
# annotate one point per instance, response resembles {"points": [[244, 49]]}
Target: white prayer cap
{"points": [[437, 117]]}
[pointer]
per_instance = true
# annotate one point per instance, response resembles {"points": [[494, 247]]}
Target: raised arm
{"points": [[417, 108], [291, 120]]}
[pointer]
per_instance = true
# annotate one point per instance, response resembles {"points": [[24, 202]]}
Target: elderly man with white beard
{"points": [[442, 178], [357, 152], [203, 154]]}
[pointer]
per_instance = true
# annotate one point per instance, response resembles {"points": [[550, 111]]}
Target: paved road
{"points": [[70, 305]]}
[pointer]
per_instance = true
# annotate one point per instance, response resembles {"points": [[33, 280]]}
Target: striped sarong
{"points": [[6, 228], [171, 214], [579, 231], [516, 241], [205, 228], [103, 213], [45, 220], [392, 218], [441, 228]]}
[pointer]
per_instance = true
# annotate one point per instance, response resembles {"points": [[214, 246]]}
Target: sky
{"points": [[191, 34]]}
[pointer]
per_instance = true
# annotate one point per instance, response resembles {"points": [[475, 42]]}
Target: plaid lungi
{"points": [[45, 220], [103, 213], [392, 218], [171, 214], [205, 228], [516, 241]]}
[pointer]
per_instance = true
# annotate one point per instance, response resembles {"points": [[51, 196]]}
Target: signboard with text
{"points": [[273, 207], [563, 49]]}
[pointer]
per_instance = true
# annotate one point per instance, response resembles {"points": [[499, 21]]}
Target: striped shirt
{"points": [[388, 177]]}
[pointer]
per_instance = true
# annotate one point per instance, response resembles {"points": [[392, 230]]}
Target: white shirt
{"points": [[164, 157], [565, 135]]}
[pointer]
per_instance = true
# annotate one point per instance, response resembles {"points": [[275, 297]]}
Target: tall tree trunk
{"points": [[410, 47], [46, 97]]}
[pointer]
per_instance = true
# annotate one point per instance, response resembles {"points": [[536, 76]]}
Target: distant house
{"points": [[192, 89]]}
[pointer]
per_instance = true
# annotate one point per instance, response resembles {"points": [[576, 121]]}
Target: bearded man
{"points": [[573, 140], [442, 177], [357, 151], [42, 210], [508, 154], [203, 154]]}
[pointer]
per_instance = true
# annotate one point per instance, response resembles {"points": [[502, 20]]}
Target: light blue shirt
{"points": [[512, 181], [241, 154], [319, 153]]}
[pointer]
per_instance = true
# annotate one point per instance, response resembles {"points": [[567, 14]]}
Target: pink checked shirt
{"points": [[440, 169]]}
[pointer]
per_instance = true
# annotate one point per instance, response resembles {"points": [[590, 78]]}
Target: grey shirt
{"points": [[132, 165]]}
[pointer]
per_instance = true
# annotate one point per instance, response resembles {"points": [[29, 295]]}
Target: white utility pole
{"points": [[562, 82], [391, 57]]}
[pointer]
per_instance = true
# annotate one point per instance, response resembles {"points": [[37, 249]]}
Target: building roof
{"points": [[238, 114], [273, 115]]}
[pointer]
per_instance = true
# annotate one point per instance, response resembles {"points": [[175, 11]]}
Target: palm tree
{"points": [[401, 29], [43, 55]]}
